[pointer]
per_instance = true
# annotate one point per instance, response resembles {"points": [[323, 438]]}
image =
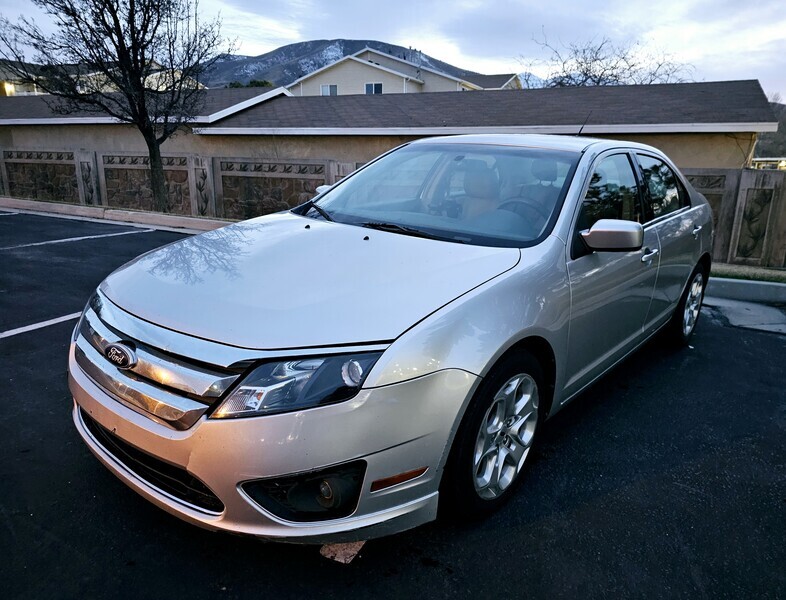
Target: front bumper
{"points": [[394, 429]]}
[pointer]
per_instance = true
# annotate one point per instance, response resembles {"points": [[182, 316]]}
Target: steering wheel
{"points": [[522, 207]]}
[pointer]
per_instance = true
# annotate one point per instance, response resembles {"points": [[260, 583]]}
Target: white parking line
{"points": [[5, 214], [34, 326], [78, 239]]}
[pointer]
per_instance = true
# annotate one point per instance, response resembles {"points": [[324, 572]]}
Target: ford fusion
{"points": [[342, 370]]}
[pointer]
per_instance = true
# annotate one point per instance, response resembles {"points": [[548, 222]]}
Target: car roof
{"points": [[527, 140]]}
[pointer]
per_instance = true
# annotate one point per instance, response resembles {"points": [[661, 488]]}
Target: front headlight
{"points": [[290, 385]]}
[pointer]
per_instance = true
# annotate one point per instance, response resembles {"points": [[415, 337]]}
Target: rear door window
{"points": [[665, 193]]}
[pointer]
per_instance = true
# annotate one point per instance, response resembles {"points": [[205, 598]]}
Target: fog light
{"points": [[316, 496], [327, 494]]}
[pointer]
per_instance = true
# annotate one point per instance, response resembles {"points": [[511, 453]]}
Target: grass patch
{"points": [[750, 273]]}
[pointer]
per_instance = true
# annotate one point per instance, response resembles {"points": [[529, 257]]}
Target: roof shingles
{"points": [[725, 102], [41, 107], [715, 102]]}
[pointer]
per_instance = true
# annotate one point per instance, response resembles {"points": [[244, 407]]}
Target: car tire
{"points": [[492, 446], [686, 315]]}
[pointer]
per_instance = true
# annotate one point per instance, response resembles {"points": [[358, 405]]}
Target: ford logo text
{"points": [[120, 355]]}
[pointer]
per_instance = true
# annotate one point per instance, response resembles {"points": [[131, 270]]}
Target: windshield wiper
{"points": [[396, 228], [311, 204]]}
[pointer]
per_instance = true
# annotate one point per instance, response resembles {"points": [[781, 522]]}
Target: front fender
{"points": [[474, 331]]}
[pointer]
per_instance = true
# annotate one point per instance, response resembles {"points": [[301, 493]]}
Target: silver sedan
{"points": [[342, 370]]}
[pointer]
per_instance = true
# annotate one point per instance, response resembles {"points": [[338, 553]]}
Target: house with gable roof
{"points": [[371, 72]]}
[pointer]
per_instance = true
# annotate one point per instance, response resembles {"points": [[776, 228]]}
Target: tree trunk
{"points": [[157, 180]]}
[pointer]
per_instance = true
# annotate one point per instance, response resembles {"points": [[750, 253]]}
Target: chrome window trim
{"points": [[667, 216], [176, 411]]}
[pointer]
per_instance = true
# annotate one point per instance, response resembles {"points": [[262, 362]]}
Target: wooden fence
{"points": [[749, 208]]}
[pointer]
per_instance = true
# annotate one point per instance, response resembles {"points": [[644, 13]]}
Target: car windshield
{"points": [[468, 193]]}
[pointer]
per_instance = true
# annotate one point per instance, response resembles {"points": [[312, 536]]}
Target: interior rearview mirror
{"points": [[614, 235]]}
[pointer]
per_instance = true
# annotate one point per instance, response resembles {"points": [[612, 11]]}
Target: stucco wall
{"points": [[125, 138], [687, 150], [351, 77], [700, 150]]}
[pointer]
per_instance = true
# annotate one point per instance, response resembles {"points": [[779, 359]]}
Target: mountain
{"points": [[284, 65]]}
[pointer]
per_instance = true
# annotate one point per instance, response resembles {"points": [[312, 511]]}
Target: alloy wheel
{"points": [[692, 304], [505, 436]]}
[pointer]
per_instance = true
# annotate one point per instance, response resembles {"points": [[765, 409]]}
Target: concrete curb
{"points": [[113, 214], [766, 292]]}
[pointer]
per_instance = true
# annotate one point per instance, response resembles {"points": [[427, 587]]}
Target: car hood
{"points": [[285, 281]]}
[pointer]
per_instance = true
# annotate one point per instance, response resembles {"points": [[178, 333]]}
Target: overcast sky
{"points": [[722, 39]]}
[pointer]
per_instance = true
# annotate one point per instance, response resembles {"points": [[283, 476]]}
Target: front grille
{"points": [[170, 389], [168, 478]]}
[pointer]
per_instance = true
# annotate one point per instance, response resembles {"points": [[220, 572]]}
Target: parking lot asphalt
{"points": [[665, 479]]}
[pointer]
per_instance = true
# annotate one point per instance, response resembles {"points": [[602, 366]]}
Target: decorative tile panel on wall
{"points": [[759, 232], [125, 182], [40, 175], [753, 227], [251, 187]]}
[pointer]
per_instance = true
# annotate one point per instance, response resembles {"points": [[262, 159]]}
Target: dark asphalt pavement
{"points": [[666, 479]]}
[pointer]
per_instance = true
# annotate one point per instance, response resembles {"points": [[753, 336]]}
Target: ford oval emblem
{"points": [[120, 355]]}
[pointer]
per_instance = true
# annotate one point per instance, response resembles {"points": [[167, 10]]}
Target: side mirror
{"points": [[614, 235], [321, 189]]}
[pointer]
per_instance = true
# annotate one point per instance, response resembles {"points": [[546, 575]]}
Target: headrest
{"points": [[480, 181], [544, 169]]}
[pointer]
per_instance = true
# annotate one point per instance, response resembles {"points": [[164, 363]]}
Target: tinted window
{"points": [[612, 193], [665, 192]]}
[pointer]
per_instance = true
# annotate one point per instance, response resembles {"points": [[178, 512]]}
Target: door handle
{"points": [[696, 230], [649, 255]]}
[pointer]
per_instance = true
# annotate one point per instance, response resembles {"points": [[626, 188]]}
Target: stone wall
{"points": [[48, 176], [247, 188], [126, 182], [225, 187]]}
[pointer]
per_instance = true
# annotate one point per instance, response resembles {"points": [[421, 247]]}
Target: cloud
{"points": [[722, 39]]}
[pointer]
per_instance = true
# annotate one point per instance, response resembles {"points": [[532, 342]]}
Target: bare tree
{"points": [[138, 61], [601, 62]]}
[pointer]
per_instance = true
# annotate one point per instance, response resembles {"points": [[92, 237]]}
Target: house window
{"points": [[373, 88], [329, 90]]}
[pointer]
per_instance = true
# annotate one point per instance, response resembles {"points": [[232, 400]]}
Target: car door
{"points": [[610, 291], [667, 209]]}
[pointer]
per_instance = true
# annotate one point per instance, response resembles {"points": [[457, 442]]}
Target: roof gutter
{"points": [[543, 129]]}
